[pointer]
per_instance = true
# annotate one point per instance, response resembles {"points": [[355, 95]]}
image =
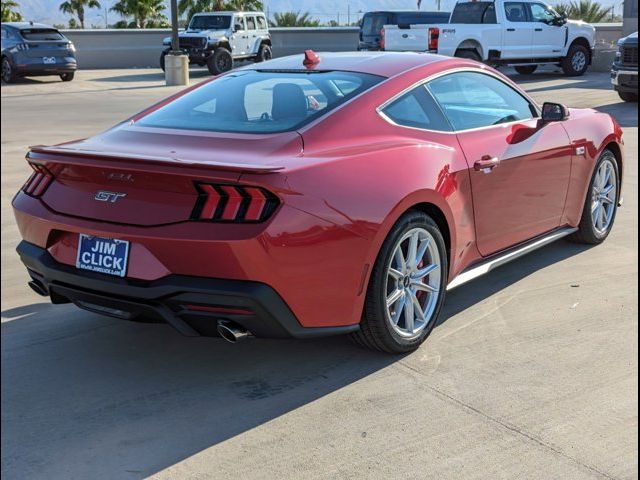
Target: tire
{"points": [[67, 77], [629, 96], [162, 55], [468, 54], [8, 72], [264, 53], [385, 328], [576, 63], [588, 230], [220, 61], [526, 70]]}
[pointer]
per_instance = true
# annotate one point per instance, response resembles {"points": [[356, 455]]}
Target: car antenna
{"points": [[311, 59]]}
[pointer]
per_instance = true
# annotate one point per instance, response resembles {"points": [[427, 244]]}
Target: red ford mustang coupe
{"points": [[315, 195]]}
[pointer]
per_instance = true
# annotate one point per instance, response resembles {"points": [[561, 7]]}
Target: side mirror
{"points": [[554, 112]]}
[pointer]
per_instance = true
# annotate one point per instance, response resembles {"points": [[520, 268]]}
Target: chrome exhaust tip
{"points": [[38, 287], [231, 332]]}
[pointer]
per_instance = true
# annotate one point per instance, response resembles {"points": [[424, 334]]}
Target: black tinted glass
{"points": [[474, 13], [41, 34], [210, 22]]}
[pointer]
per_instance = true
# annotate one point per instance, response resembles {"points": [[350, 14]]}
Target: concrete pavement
{"points": [[532, 372]]}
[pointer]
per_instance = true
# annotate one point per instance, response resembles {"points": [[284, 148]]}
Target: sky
{"points": [[47, 11]]}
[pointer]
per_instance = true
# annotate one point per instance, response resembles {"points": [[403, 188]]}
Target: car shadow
{"points": [[150, 76], [90, 397], [626, 113]]}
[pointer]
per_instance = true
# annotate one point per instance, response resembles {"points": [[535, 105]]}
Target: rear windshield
{"points": [[372, 23], [260, 101], [474, 12], [41, 34], [210, 22]]}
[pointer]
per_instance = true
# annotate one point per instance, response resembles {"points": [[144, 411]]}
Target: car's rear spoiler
{"points": [[46, 152]]}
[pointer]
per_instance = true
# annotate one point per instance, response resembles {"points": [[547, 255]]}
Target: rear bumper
{"points": [[26, 66], [193, 305]]}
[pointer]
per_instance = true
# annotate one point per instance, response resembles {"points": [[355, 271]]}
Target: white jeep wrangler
{"points": [[216, 39]]}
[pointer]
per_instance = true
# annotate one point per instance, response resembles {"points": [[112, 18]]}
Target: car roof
{"points": [[420, 12], [386, 64], [27, 25]]}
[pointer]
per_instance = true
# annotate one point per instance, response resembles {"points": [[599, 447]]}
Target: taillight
{"points": [[382, 39], [233, 203], [434, 37], [38, 182]]}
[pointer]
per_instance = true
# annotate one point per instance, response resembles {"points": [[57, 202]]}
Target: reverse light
{"points": [[434, 38], [233, 203], [38, 182]]}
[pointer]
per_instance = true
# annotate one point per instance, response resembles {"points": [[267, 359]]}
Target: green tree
{"points": [[587, 10], [191, 7], [244, 5], [293, 19], [10, 11], [77, 8], [145, 13]]}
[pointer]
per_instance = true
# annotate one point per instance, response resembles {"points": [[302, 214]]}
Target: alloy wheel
{"points": [[579, 61], [6, 71], [413, 283], [604, 197]]}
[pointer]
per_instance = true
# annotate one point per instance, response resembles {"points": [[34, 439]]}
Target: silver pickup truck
{"points": [[216, 39], [523, 34]]}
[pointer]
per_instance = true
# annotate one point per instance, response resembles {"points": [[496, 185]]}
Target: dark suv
{"points": [[372, 23], [34, 49], [624, 74]]}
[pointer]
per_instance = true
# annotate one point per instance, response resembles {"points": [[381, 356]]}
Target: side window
{"points": [[238, 24], [490, 14], [5, 34], [417, 109], [516, 12], [541, 13], [262, 22], [251, 23], [474, 100]]}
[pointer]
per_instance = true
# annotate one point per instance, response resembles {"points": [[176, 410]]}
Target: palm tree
{"points": [[293, 19], [198, 6], [587, 10], [191, 7], [77, 7], [10, 11], [145, 13], [245, 5]]}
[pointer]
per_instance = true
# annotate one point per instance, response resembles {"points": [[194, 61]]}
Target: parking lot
{"points": [[531, 373]]}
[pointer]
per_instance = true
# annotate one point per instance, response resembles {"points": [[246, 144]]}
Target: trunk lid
{"points": [[146, 177]]}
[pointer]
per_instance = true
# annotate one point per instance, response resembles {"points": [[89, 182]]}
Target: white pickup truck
{"points": [[523, 34]]}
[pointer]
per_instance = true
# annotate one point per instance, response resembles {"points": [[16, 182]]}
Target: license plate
{"points": [[48, 60], [104, 255]]}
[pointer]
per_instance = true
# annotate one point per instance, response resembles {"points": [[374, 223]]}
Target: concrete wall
{"points": [[142, 48]]}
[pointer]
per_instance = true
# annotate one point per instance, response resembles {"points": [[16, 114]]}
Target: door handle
{"points": [[511, 29], [486, 164], [538, 29]]}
